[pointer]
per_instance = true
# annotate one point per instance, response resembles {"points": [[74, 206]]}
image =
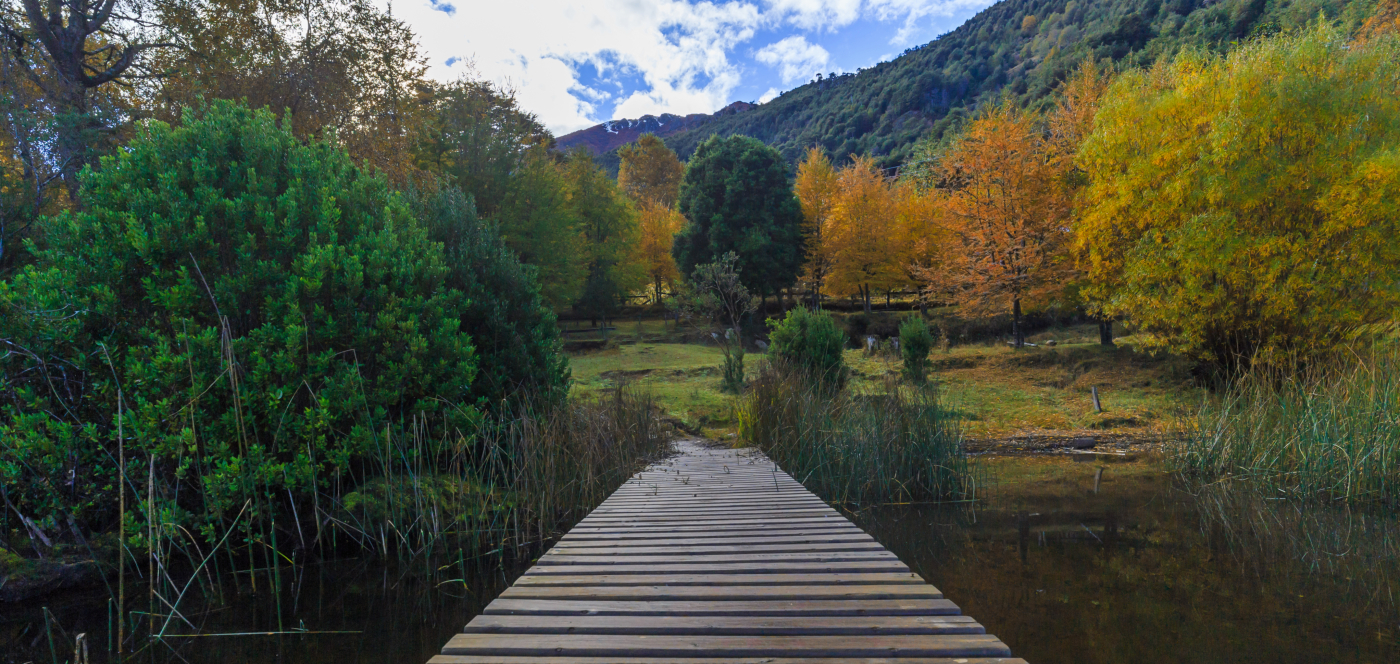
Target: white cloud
{"points": [[651, 56], [679, 50], [816, 14], [795, 58], [768, 96], [911, 11]]}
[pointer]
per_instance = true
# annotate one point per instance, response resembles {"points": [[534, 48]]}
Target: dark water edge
{"points": [[1149, 570], [1146, 570], [346, 612]]}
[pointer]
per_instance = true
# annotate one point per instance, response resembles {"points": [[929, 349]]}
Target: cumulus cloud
{"points": [[795, 58], [768, 96], [679, 51], [649, 56]]}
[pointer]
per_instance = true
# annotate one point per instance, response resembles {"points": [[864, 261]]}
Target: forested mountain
{"points": [[1023, 47]]}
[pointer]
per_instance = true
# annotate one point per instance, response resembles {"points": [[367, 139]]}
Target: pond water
{"points": [[1141, 571], [1144, 571]]}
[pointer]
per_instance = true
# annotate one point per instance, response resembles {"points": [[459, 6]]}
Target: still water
{"points": [[1147, 571], [1143, 570]]}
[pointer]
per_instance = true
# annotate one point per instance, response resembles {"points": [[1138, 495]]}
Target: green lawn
{"points": [[999, 391]]}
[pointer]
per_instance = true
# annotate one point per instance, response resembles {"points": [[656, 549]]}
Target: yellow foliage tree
{"points": [[861, 239], [1245, 207], [659, 225], [650, 174], [817, 190], [921, 240], [650, 171], [1006, 206]]}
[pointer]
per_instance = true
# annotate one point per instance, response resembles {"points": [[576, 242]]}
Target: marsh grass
{"points": [[445, 502], [1330, 431], [898, 445]]}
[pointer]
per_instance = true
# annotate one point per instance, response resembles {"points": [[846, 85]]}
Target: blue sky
{"points": [[575, 64]]}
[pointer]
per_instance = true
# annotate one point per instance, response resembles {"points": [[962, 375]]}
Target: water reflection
{"points": [[1148, 570], [351, 611], [1143, 570]]}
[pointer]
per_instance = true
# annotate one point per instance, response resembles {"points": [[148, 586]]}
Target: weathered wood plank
{"points": [[509, 659], [555, 558], [864, 607], [633, 645], [771, 536], [725, 626], [796, 579], [727, 593], [848, 567]]}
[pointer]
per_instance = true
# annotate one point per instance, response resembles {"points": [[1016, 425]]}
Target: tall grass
{"points": [[444, 500], [897, 446], [1331, 431]]}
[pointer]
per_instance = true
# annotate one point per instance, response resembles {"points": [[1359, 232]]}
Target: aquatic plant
{"points": [[1329, 431], [897, 445]]}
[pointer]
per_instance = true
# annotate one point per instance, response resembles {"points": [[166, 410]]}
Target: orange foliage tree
{"points": [[1004, 202], [862, 240]]}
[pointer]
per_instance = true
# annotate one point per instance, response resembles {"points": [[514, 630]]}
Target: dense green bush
{"points": [[260, 307], [519, 353], [811, 341], [915, 342]]}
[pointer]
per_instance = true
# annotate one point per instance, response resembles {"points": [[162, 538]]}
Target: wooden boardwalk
{"points": [[719, 556]]}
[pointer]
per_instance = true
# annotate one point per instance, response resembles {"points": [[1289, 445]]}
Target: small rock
{"points": [[1050, 342], [1082, 443]]}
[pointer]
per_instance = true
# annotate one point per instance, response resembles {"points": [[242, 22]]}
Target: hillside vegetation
{"points": [[1024, 47]]}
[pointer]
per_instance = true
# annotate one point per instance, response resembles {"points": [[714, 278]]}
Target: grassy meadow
{"points": [[996, 391]]}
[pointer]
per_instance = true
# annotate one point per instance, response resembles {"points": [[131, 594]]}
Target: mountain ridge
{"points": [[1019, 48]]}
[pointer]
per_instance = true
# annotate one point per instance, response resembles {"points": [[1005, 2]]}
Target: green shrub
{"points": [[263, 307], [519, 352], [915, 342], [812, 342]]}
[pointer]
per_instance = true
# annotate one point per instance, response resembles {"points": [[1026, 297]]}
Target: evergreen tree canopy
{"points": [[737, 197], [257, 301], [517, 341]]}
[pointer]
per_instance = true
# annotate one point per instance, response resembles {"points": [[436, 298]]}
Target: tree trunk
{"points": [[888, 295], [865, 298], [1106, 331], [1019, 338]]}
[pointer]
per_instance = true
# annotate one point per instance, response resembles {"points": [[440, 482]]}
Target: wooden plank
{"points": [[635, 529], [848, 567], [795, 579], [718, 518], [509, 659], [699, 550], [633, 645], [724, 626], [800, 538], [775, 531], [560, 559], [864, 607], [726, 593]]}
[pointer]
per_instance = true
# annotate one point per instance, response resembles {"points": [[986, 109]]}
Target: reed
{"points": [[1330, 431], [899, 445], [423, 497]]}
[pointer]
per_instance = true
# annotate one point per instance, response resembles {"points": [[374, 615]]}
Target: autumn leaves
{"points": [[983, 223], [1234, 208]]}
